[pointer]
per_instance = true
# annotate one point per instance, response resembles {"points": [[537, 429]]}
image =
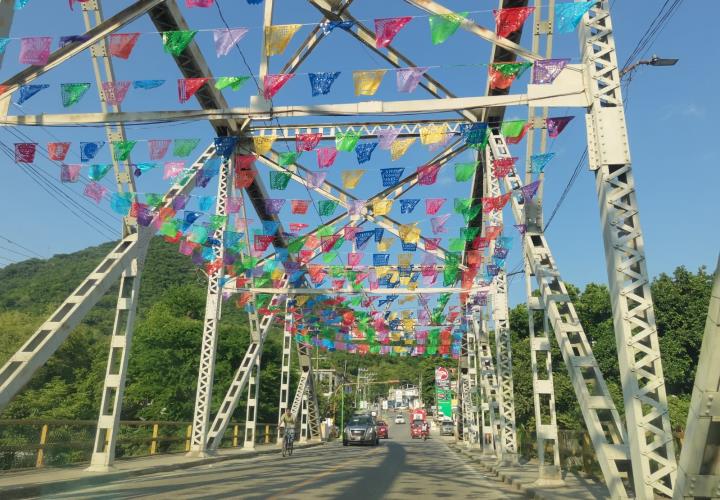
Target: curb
{"points": [[36, 490]]}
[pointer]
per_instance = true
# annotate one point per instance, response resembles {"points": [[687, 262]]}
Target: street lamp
{"points": [[654, 61]]}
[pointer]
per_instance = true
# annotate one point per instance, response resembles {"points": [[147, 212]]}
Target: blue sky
{"points": [[673, 152]]}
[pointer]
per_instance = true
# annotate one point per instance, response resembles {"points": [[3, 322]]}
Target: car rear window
{"points": [[381, 422], [359, 421]]}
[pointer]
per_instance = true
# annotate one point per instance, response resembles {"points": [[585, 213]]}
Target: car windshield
{"points": [[360, 421]]}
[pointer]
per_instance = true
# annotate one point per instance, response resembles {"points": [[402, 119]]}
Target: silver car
{"points": [[361, 430]]}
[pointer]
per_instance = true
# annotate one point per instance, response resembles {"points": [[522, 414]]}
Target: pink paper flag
{"points": [[115, 92], [427, 174], [225, 39], [95, 191], [326, 157], [307, 142], [35, 50], [386, 29], [172, 169], [199, 3], [273, 83], [158, 148], [69, 173], [354, 258]]}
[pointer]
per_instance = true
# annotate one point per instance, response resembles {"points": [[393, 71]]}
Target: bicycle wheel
{"points": [[284, 447], [290, 448]]}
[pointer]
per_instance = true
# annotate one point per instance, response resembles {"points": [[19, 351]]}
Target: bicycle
{"points": [[288, 439]]}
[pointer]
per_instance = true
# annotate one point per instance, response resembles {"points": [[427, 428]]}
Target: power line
{"points": [[19, 246]]}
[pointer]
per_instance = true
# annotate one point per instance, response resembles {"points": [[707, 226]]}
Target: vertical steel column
{"points": [[108, 427], [472, 356], [258, 102], [503, 345], [650, 438], [601, 417], [488, 377], [286, 361], [543, 387], [304, 418], [252, 403], [213, 307], [699, 472]]}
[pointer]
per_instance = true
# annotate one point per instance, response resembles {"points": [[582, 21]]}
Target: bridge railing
{"points": [[27, 443]]}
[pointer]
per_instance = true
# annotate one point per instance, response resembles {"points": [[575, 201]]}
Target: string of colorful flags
{"points": [[433, 136], [36, 50], [365, 82]]}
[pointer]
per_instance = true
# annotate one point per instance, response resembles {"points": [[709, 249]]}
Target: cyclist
{"points": [[287, 423]]}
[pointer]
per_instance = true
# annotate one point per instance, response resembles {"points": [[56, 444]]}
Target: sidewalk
{"points": [[523, 477], [36, 482]]}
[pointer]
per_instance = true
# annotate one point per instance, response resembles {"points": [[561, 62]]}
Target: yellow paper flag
{"points": [[408, 324], [409, 233], [404, 259], [432, 134], [367, 82], [412, 285], [400, 146], [263, 143], [382, 207], [350, 178], [277, 37], [385, 244], [382, 270], [301, 299]]}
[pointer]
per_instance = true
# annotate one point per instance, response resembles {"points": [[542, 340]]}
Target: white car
{"points": [[399, 419]]}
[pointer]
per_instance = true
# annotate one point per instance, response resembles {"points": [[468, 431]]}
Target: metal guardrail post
{"points": [[236, 430], [40, 462], [188, 435], [267, 433], [154, 440]]}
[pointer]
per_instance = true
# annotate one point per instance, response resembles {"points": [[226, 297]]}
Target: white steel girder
{"points": [[50, 335], [602, 419], [213, 308], [240, 379], [650, 437], [503, 345], [251, 408], [366, 129], [285, 370], [471, 349], [699, 468], [489, 385]]}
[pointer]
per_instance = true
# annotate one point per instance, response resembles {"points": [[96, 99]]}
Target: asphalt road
{"points": [[399, 468]]}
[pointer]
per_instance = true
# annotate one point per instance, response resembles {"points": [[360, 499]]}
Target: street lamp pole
{"points": [[653, 61]]}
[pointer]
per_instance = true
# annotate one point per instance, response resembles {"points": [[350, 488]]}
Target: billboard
{"points": [[443, 394]]}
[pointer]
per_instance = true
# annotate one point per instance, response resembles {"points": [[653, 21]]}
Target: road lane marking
{"points": [[315, 479]]}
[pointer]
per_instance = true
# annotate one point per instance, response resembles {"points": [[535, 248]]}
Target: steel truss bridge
{"points": [[636, 453]]}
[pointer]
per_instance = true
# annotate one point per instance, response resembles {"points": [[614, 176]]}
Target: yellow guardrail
{"points": [[26, 443]]}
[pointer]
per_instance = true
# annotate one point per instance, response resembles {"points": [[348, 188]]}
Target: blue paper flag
{"points": [[270, 227], [407, 205], [539, 162], [475, 133], [68, 39], [328, 26], [362, 238], [381, 259], [379, 234], [88, 150], [206, 203], [225, 146], [569, 14], [27, 91], [391, 176], [320, 83], [364, 151], [147, 84], [189, 218]]}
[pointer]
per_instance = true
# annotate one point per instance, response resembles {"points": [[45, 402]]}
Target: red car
{"points": [[416, 429], [382, 429]]}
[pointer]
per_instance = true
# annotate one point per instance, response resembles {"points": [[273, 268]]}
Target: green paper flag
{"points": [[450, 276], [287, 159], [154, 199], [464, 171], [346, 141], [279, 180], [122, 149], [296, 245], [511, 69], [469, 233], [176, 41], [456, 245], [512, 128], [183, 147], [72, 92], [444, 26], [217, 221], [326, 230], [234, 82], [328, 257]]}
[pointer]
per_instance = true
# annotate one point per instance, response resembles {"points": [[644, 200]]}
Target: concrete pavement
{"points": [[398, 468]]}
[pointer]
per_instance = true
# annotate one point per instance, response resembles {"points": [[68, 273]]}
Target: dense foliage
{"points": [[164, 357]]}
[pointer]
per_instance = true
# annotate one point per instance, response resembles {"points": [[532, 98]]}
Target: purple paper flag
{"points": [[557, 125], [387, 137], [546, 70], [225, 39], [409, 78]]}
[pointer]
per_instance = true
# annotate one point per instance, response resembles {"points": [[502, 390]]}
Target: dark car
{"points": [[361, 430], [382, 430]]}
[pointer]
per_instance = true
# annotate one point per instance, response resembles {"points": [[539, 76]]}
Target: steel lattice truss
{"points": [[636, 454]]}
